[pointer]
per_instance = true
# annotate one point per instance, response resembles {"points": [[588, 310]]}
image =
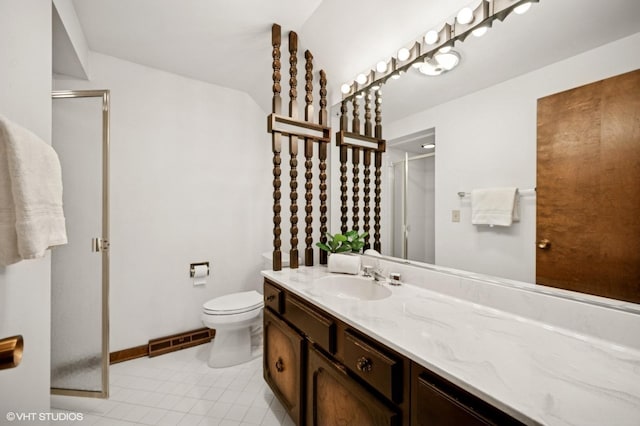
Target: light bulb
{"points": [[428, 145], [416, 64], [403, 54], [465, 16], [375, 87], [430, 69], [523, 8], [448, 60], [445, 49], [480, 31], [381, 66], [431, 37], [395, 76], [361, 79], [345, 88]]}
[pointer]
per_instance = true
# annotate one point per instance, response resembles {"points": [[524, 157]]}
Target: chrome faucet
{"points": [[372, 272], [378, 275]]}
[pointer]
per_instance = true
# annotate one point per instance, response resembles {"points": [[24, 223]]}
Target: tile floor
{"points": [[180, 389]]}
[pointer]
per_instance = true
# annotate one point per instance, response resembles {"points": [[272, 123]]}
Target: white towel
{"points": [[344, 263], [495, 206], [31, 216]]}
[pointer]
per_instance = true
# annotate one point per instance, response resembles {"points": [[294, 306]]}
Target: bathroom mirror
{"points": [[484, 114]]}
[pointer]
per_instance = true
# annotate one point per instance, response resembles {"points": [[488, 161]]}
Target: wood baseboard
{"points": [[128, 354], [164, 345]]}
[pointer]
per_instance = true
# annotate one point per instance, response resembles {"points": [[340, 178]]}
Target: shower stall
{"points": [[412, 185]]}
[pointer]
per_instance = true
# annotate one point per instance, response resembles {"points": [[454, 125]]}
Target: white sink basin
{"points": [[352, 288]]}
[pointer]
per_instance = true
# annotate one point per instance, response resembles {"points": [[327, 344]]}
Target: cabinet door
{"points": [[436, 402], [334, 398], [283, 364]]}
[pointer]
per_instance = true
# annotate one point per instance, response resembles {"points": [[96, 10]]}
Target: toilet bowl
{"points": [[235, 317]]}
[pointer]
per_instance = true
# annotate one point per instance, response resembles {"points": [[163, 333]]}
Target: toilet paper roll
{"points": [[200, 273]]}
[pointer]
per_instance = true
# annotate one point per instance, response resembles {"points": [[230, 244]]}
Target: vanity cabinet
{"points": [[325, 372], [342, 376]]}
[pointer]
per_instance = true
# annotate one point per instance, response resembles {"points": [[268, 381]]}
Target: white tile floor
{"points": [[180, 389]]}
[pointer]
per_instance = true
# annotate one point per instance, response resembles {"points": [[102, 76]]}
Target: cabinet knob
{"points": [[271, 297], [279, 365], [364, 364]]}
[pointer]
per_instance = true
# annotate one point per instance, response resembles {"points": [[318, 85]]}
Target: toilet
{"points": [[237, 319]]}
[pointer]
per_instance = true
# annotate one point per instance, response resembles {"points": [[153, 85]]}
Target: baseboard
{"points": [[129, 354], [164, 345]]}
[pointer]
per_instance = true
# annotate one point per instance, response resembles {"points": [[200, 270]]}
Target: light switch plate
{"points": [[455, 215]]}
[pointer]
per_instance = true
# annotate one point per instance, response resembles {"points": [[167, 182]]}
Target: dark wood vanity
{"points": [[324, 372]]}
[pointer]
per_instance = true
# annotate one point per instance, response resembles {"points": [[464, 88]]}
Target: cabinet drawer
{"points": [[380, 370], [317, 327], [273, 297]]}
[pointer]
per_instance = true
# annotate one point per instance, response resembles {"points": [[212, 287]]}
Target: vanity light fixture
{"points": [[428, 145], [421, 54]]}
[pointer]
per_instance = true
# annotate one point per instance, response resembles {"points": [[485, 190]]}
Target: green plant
{"points": [[341, 243], [356, 241]]}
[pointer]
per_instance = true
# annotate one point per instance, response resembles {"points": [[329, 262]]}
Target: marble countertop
{"points": [[536, 372]]}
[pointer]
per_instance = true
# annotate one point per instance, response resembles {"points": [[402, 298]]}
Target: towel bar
{"points": [[462, 194]]}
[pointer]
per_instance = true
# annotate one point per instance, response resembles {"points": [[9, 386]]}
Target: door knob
{"points": [[544, 244]]}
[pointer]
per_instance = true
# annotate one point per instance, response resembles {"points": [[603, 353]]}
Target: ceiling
{"points": [[229, 43]]}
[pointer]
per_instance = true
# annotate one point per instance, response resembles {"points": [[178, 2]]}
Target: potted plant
{"points": [[340, 245], [344, 243]]}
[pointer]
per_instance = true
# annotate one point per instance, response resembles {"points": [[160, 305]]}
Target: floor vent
{"points": [[179, 341]]}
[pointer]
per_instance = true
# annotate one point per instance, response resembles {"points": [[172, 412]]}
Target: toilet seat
{"points": [[233, 304]]}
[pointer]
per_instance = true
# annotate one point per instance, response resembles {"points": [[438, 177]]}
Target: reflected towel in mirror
{"points": [[495, 206]]}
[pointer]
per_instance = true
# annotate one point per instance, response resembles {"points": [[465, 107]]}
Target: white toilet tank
{"points": [[267, 260]]}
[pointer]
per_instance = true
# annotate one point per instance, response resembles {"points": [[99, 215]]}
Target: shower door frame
{"points": [[405, 201], [103, 244]]}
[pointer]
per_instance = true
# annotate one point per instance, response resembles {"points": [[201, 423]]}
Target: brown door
{"points": [[334, 398], [588, 189]]}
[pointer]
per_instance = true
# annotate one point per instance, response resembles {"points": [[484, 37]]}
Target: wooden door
{"points": [[334, 398], [588, 189], [283, 364]]}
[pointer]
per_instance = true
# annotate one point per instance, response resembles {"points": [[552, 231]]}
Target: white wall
{"points": [[488, 138], [190, 182], [25, 287]]}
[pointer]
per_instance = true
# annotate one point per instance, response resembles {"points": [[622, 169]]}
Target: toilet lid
{"points": [[234, 303]]}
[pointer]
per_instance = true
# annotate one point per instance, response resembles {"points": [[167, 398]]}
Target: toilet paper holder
{"points": [[192, 268]]}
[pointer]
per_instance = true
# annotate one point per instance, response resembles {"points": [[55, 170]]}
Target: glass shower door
{"points": [[79, 284]]}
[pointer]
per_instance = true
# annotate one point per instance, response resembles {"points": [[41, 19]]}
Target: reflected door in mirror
{"points": [[588, 189]]}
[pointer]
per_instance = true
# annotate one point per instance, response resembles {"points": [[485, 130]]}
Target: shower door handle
{"points": [[99, 244]]}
